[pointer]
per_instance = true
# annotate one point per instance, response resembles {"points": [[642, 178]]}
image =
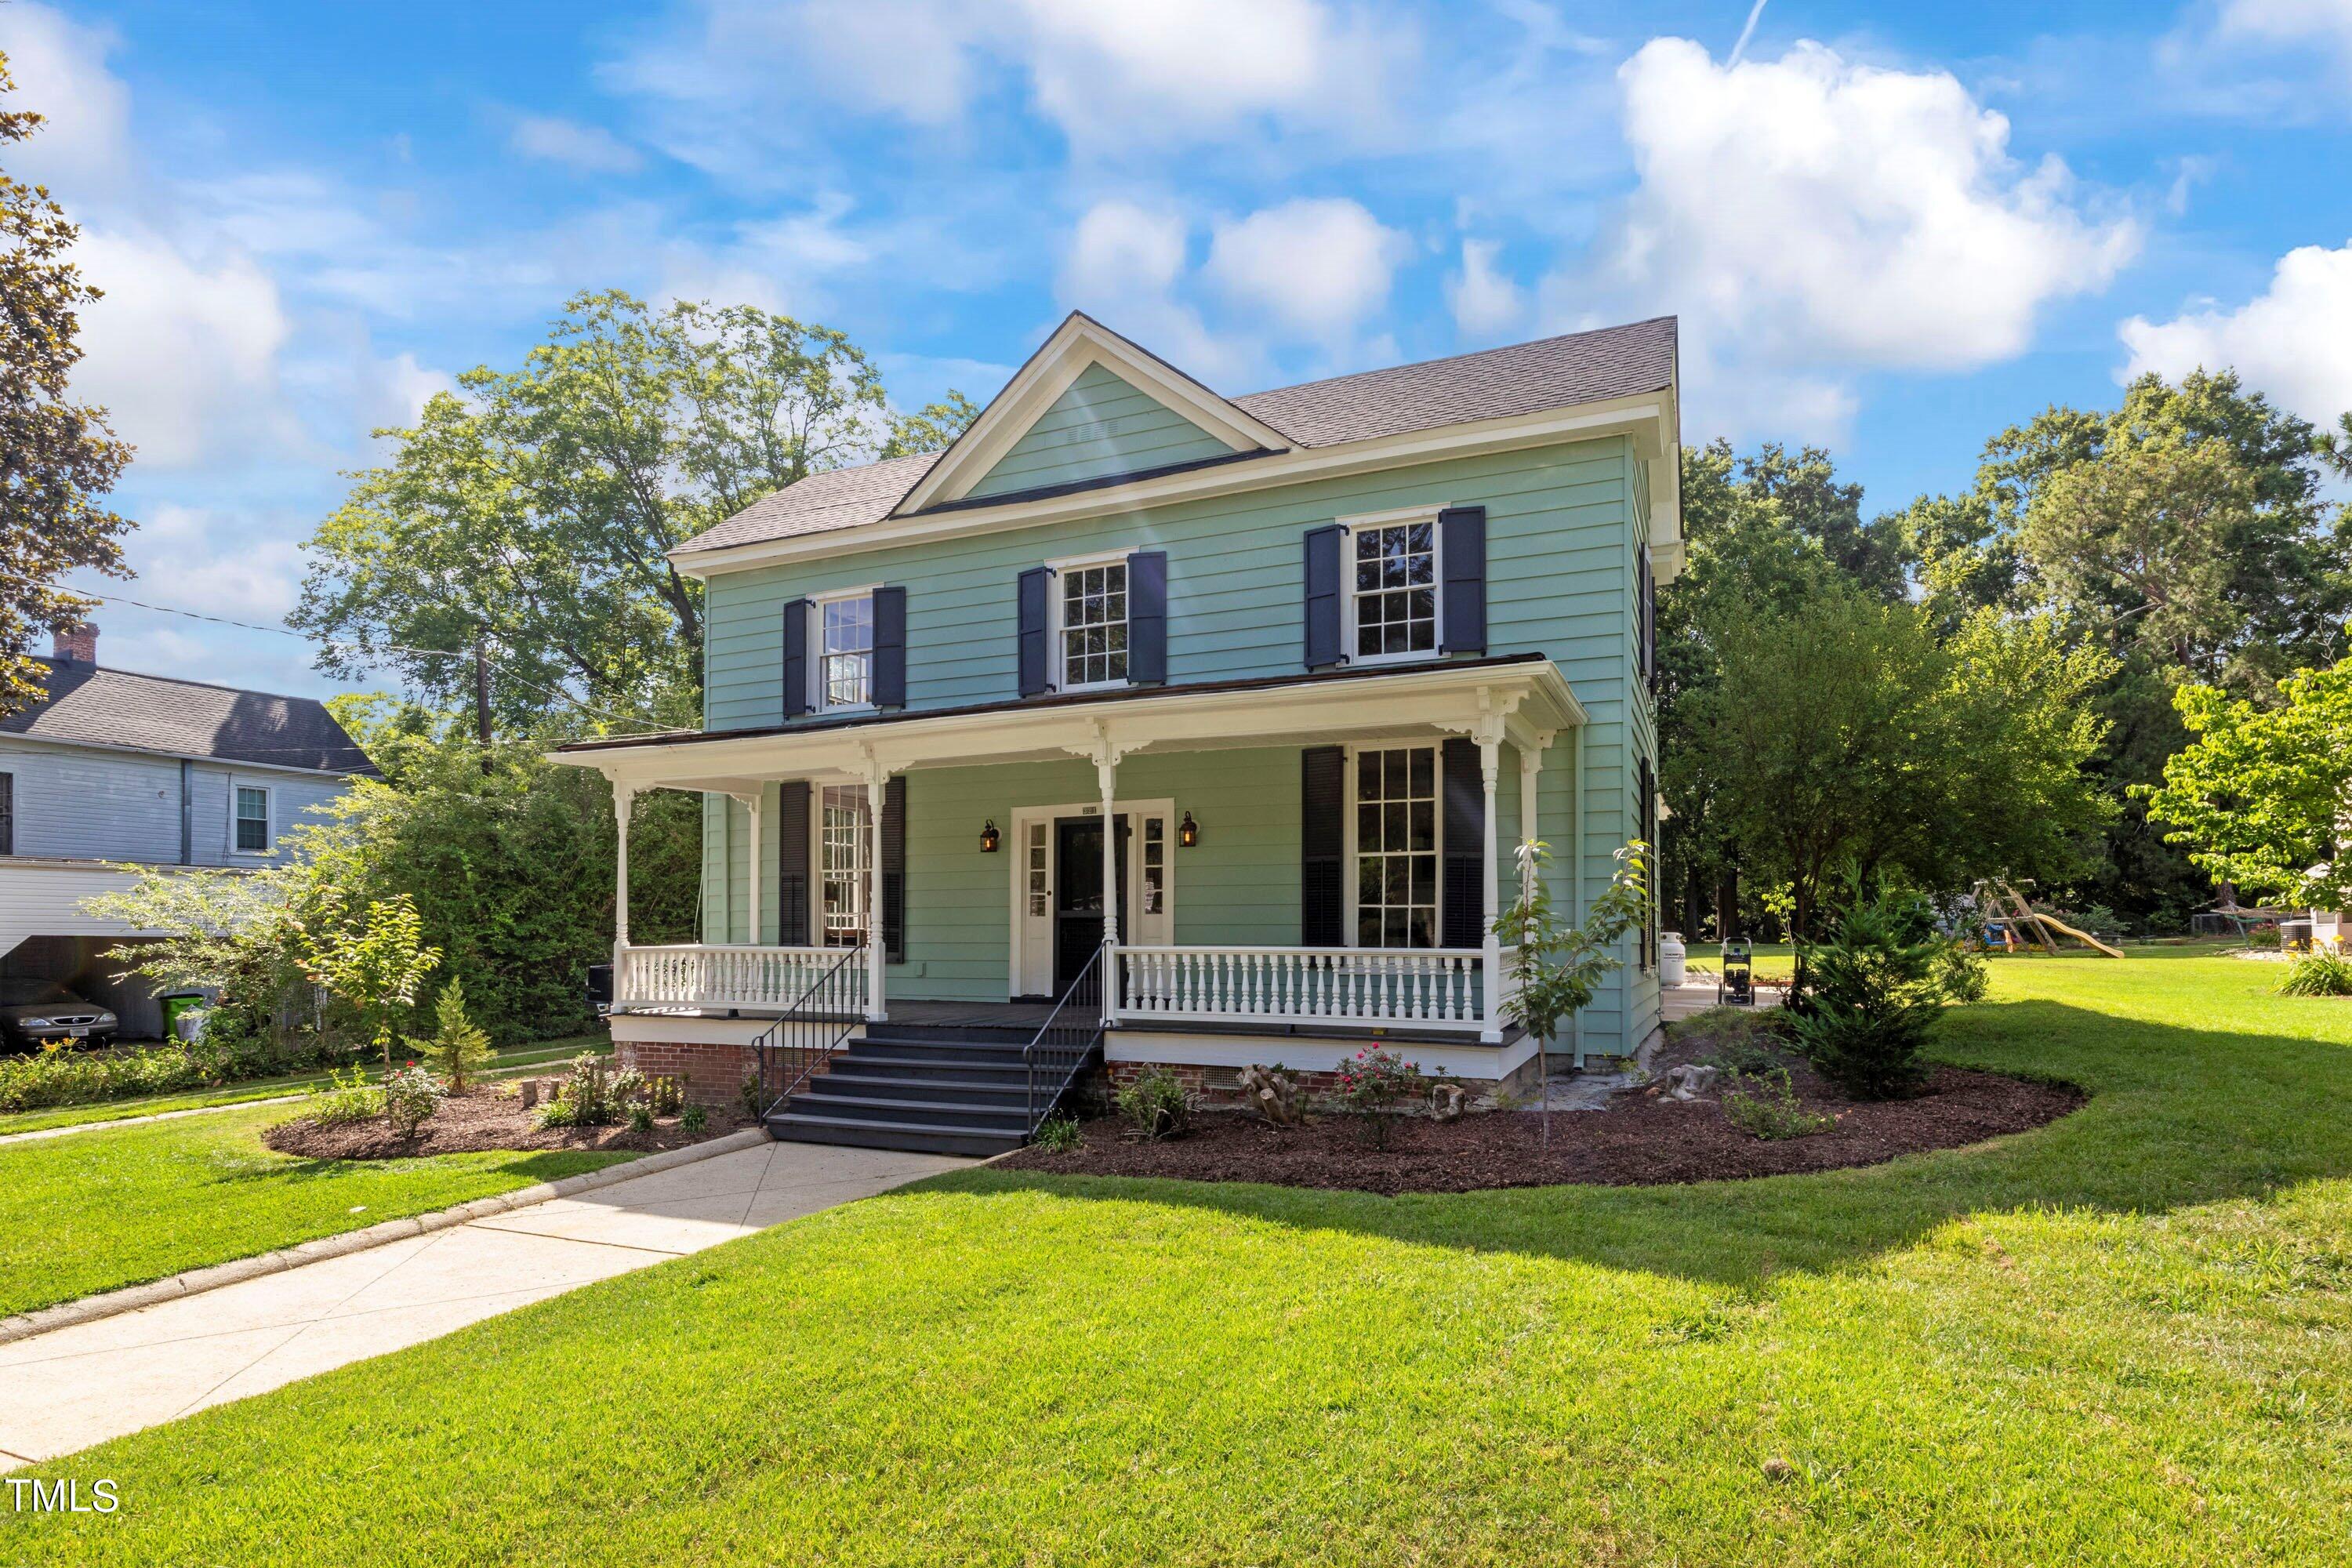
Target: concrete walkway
{"points": [[75, 1386]]}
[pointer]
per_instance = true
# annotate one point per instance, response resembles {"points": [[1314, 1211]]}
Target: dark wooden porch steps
{"points": [[943, 1089]]}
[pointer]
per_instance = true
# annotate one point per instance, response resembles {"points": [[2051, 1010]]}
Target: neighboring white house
{"points": [[114, 768]]}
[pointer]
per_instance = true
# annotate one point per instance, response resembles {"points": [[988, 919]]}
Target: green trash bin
{"points": [[176, 1003]]}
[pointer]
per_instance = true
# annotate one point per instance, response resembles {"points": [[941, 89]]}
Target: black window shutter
{"points": [[1462, 891], [796, 643], [1035, 583], [894, 868], [1462, 545], [7, 813], [1323, 846], [889, 647], [1147, 616], [792, 874], [1323, 595]]}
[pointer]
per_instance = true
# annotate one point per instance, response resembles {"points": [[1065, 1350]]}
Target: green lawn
{"points": [[116, 1207], [2125, 1338], [515, 1059]]}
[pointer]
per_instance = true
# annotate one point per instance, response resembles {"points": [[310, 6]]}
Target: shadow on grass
{"points": [[2179, 1116], [537, 1164]]}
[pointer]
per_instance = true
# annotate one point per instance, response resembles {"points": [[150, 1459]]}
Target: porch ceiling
{"points": [[1522, 698]]}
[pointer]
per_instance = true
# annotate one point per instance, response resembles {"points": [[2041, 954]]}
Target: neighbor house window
{"points": [[845, 651], [7, 813], [1395, 589], [1094, 625], [1396, 847], [845, 857], [252, 820]]}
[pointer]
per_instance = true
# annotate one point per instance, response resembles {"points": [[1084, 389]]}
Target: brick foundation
{"points": [[713, 1075], [1216, 1086]]}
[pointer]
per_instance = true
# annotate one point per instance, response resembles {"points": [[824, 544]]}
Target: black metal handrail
{"points": [[808, 1033], [1065, 1046]]}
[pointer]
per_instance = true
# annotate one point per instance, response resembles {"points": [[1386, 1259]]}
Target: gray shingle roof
{"points": [[1552, 372], [91, 705]]}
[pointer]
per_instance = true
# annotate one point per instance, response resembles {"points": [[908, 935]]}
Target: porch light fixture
{"points": [[989, 838], [1188, 832]]}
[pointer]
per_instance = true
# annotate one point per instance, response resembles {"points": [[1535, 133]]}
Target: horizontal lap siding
{"points": [[87, 803], [1124, 431], [1562, 528]]}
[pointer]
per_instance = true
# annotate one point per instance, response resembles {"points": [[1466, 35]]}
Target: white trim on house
{"points": [[1650, 418], [1077, 344], [236, 788]]}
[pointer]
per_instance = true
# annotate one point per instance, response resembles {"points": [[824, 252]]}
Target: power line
{"points": [[328, 643]]}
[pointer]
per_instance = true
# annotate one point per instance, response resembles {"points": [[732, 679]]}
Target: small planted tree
{"points": [[460, 1048], [1561, 965], [1877, 987], [374, 958]]}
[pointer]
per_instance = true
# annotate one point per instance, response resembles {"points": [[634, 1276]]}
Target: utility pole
{"points": [[482, 699]]}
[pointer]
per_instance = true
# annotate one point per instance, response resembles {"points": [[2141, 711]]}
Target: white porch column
{"points": [[1490, 891], [754, 804], [1106, 773], [1531, 758], [876, 786], [624, 798]]}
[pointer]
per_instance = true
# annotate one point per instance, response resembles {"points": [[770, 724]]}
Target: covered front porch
{"points": [[954, 866]]}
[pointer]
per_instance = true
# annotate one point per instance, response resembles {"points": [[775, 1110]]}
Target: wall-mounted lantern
{"points": [[1188, 832], [988, 838]]}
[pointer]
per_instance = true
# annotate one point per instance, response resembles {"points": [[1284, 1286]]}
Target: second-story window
{"points": [[7, 813], [1394, 590], [1094, 625], [845, 651], [252, 820]]}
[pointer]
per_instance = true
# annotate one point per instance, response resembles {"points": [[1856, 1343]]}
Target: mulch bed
{"points": [[481, 1119], [1640, 1139]]}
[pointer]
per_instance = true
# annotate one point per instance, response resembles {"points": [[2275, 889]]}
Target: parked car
{"points": [[35, 1013]]}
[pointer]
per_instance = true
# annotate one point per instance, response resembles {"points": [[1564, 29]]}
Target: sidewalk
{"points": [[75, 1386]]}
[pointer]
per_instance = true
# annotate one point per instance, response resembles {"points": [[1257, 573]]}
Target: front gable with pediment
{"points": [[1102, 426]]}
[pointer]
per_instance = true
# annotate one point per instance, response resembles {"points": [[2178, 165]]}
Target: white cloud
{"points": [[1316, 267], [589, 149], [59, 68], [2288, 341], [184, 353], [1827, 217], [1124, 266], [2290, 22], [1486, 302]]}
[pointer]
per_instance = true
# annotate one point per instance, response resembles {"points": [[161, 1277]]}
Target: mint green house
{"points": [[1145, 725]]}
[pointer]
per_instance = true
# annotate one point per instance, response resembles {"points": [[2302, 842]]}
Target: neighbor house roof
{"points": [[90, 705], [1552, 372]]}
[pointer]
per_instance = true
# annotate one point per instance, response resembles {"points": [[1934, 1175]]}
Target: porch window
{"points": [[252, 820], [1396, 847], [1040, 890], [845, 651], [1094, 625], [1395, 590], [844, 861]]}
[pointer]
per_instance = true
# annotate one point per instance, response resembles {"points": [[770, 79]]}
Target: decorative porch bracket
{"points": [[1104, 754]]}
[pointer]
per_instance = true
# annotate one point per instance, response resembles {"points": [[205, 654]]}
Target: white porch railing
{"points": [[1442, 988], [723, 975]]}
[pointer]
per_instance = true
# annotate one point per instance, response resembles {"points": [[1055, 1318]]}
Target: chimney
{"points": [[76, 645]]}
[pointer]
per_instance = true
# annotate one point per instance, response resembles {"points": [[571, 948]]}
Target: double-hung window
{"points": [[252, 824], [1396, 847], [845, 650], [1093, 632], [1392, 589], [845, 863]]}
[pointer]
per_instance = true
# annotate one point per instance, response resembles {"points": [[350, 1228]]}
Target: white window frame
{"points": [[819, 695], [1351, 596], [1436, 748], [865, 841], [236, 788], [1057, 657]]}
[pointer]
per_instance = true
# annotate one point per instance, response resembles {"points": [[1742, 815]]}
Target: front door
{"points": [[1078, 893]]}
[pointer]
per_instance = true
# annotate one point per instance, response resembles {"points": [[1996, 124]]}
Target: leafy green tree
{"points": [[530, 514], [1561, 965], [59, 456], [2262, 796], [1854, 741], [371, 954]]}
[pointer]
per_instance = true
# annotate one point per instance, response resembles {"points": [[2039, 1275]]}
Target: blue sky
{"points": [[1891, 230]]}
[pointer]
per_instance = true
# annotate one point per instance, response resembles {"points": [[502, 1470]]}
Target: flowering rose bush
{"points": [[1372, 1084]]}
